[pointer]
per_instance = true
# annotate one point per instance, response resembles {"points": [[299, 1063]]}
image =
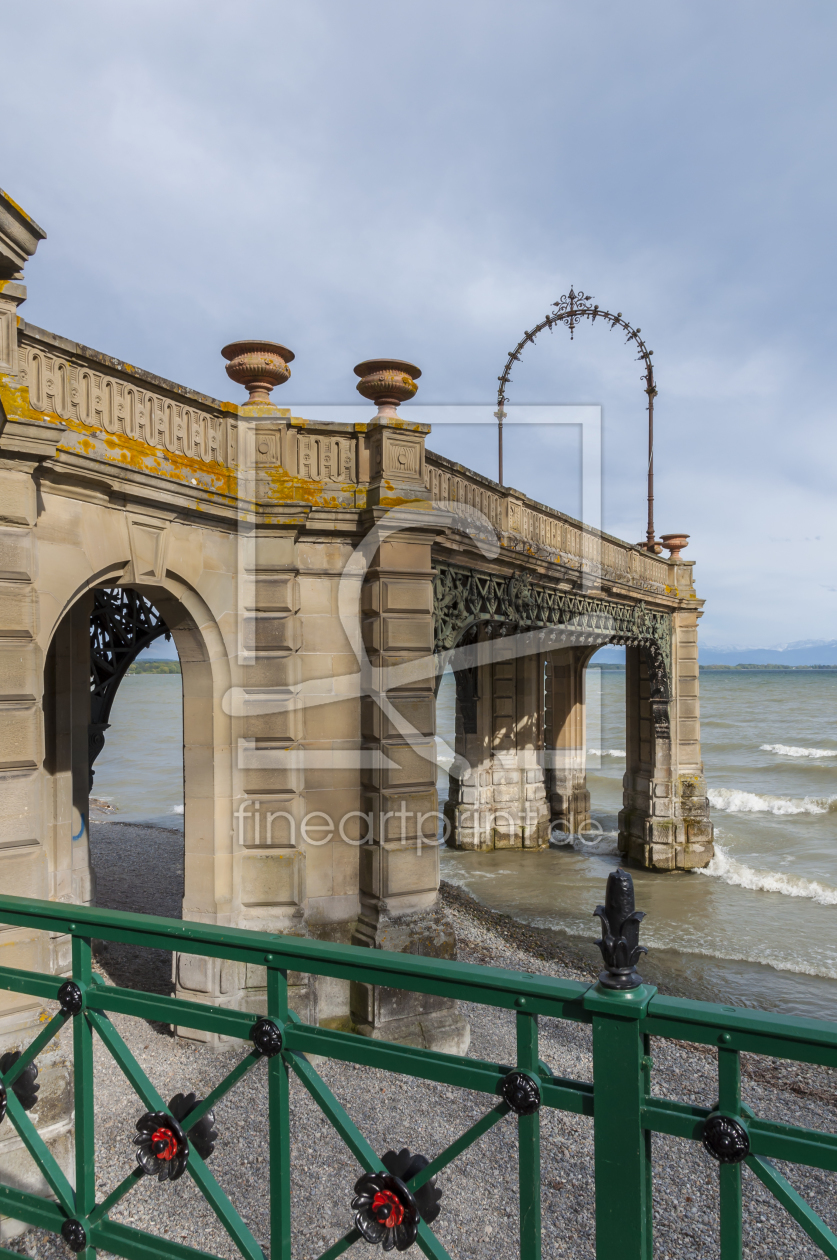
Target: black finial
{"points": [[620, 933]]}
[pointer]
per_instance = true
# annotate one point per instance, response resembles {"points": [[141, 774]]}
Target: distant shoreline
{"points": [[173, 667]]}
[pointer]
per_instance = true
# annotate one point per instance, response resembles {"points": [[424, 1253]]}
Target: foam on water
{"points": [[725, 867], [606, 752], [790, 750], [737, 802]]}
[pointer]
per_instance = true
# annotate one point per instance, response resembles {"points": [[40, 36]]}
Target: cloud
{"points": [[424, 180]]}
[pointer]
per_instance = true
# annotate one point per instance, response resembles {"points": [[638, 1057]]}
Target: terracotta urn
{"points": [[259, 366], [387, 382], [674, 544]]}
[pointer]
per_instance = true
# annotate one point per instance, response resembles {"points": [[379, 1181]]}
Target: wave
{"points": [[736, 802], [790, 750], [176, 809], [725, 867], [606, 752]]}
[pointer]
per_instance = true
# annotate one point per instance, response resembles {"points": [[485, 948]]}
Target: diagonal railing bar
{"points": [[365, 1154], [222, 1207], [342, 1244], [101, 1210], [135, 1244], [232, 1078], [40, 1152], [197, 1169], [449, 1154], [792, 1201], [336, 1114], [32, 1051], [128, 1065]]}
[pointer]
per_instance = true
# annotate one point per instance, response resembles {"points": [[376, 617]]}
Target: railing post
{"points": [[82, 958], [280, 1124], [529, 1145], [729, 1102], [622, 1146]]}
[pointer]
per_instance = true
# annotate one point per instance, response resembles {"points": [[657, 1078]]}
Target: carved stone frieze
{"points": [[105, 403]]}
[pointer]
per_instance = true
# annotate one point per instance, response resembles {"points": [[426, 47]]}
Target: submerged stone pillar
{"points": [[565, 737], [664, 824], [499, 802]]}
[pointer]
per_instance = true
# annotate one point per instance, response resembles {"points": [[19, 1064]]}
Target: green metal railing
{"points": [[625, 1113]]}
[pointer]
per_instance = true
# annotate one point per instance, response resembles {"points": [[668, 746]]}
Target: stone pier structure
{"points": [[316, 578]]}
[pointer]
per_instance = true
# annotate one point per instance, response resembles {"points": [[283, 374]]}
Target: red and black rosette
{"points": [[386, 1212], [162, 1145]]}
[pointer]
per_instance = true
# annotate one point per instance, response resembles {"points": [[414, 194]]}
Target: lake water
{"points": [[758, 927]]}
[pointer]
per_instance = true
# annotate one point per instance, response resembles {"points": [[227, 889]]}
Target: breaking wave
{"points": [[730, 871], [790, 750], [606, 752], [736, 802]]}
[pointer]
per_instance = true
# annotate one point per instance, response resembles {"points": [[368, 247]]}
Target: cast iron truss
{"points": [[122, 624], [464, 599]]}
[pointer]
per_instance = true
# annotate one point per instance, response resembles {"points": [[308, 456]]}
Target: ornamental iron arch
{"points": [[122, 624], [468, 603], [570, 310]]}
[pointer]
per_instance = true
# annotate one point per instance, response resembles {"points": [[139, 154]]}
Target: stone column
{"points": [[500, 802], [399, 863], [566, 738], [26, 846], [664, 824]]}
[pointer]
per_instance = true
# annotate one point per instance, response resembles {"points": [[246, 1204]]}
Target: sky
{"points": [[424, 180]]}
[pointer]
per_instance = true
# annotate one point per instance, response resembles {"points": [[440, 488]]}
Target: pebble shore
{"points": [[479, 1217]]}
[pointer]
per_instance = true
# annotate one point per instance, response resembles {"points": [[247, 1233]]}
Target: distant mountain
{"points": [[803, 652]]}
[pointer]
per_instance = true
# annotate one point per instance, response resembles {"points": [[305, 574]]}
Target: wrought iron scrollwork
{"points": [[122, 624], [464, 599]]}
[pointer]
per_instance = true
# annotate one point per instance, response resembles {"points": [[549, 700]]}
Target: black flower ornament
{"points": [[725, 1139], [620, 933], [25, 1087], [163, 1148], [202, 1135], [386, 1211], [522, 1093]]}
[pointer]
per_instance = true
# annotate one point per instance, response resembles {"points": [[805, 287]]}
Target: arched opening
{"points": [[156, 853]]}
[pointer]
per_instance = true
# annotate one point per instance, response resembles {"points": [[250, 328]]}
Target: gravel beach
{"points": [[137, 869]]}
